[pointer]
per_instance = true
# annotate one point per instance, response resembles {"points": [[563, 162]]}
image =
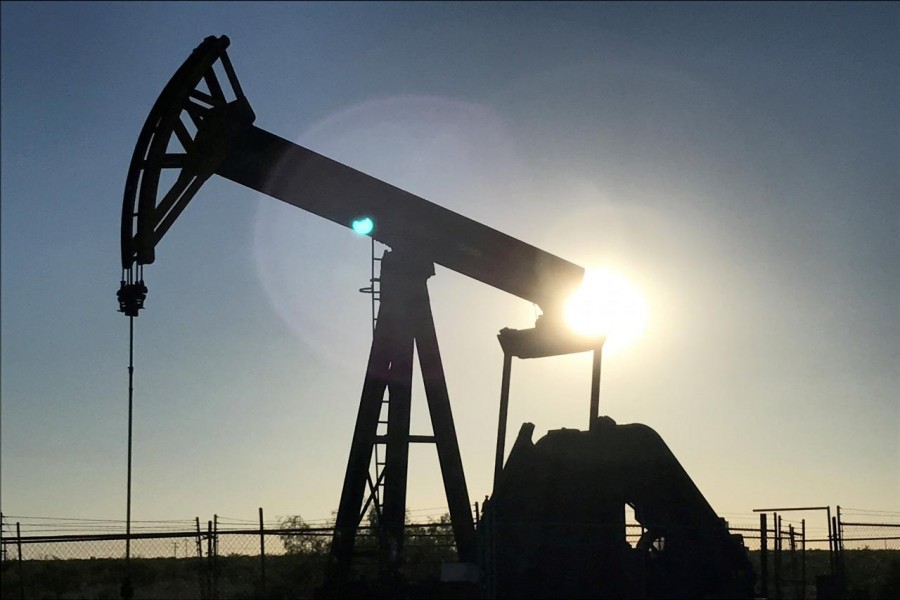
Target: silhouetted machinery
{"points": [[555, 524]]}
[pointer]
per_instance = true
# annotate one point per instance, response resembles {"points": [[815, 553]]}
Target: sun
{"points": [[607, 304]]}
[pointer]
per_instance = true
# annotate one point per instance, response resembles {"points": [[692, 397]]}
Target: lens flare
{"points": [[607, 304], [363, 226]]}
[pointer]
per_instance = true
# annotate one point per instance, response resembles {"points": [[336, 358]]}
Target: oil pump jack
{"points": [[202, 125]]}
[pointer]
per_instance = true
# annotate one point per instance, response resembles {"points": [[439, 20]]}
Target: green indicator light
{"points": [[363, 226]]}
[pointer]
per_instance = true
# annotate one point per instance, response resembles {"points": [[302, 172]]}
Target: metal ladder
{"points": [[380, 448]]}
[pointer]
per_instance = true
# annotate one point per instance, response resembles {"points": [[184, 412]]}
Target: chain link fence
{"points": [[229, 558], [226, 564], [870, 553]]}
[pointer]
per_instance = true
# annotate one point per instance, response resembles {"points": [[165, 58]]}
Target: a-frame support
{"points": [[404, 322]]}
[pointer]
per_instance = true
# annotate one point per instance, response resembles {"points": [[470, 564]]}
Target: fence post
{"points": [[215, 558], [19, 546], [209, 559], [776, 523], [793, 546], [838, 557], [199, 538], [262, 550], [803, 559], [830, 540], [839, 530], [763, 556]]}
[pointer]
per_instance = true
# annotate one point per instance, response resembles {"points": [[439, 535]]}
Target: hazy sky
{"points": [[737, 162]]}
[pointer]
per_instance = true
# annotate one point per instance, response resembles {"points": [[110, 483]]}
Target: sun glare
{"points": [[607, 303]]}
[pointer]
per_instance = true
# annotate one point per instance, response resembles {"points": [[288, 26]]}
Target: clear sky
{"points": [[738, 163]]}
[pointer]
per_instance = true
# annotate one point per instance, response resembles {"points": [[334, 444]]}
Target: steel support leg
{"points": [[393, 510], [444, 432], [364, 436], [404, 322]]}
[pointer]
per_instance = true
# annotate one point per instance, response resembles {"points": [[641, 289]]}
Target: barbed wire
{"points": [[888, 514], [10, 517], [48, 524]]}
